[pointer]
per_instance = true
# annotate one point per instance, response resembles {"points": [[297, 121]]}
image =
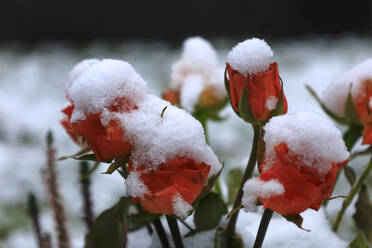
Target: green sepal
{"points": [[245, 109], [352, 134], [336, 118], [350, 175], [78, 154], [119, 162], [210, 113], [358, 242], [209, 212], [91, 157], [110, 228], [296, 219], [279, 108], [350, 112]]}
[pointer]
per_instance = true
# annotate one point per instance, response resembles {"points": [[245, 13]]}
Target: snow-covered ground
{"points": [[32, 95]]}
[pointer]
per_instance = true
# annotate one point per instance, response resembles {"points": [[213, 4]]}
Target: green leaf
{"points": [[296, 219], [234, 177], [350, 175], [358, 242], [352, 134], [137, 221], [329, 112], [110, 228], [363, 216], [209, 212], [245, 109], [350, 112]]}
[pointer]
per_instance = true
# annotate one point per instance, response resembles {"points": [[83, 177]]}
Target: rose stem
{"points": [[354, 190], [33, 211], [86, 194], [161, 233], [265, 220], [63, 237], [247, 174], [175, 231]]}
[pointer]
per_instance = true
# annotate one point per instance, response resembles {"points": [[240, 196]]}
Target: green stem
{"points": [[161, 233], [175, 231], [265, 220], [247, 174], [352, 194]]}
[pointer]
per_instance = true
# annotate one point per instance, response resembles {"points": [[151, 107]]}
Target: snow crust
{"points": [[156, 139], [312, 139], [180, 207], [250, 56], [198, 59], [255, 188], [100, 83], [335, 95]]}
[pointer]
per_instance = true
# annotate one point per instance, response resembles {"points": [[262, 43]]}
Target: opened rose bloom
{"points": [[303, 154], [170, 162], [358, 82], [97, 90], [249, 68], [176, 182], [196, 78]]}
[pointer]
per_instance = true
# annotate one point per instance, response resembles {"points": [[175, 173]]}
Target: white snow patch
{"points": [[156, 139], [255, 188], [370, 103], [311, 138], [78, 69], [180, 207], [135, 186], [190, 92], [271, 102], [98, 86], [335, 95], [250, 56]]}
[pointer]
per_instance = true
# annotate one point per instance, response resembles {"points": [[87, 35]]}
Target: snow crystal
{"points": [[311, 138], [335, 95], [78, 69], [190, 92], [271, 102], [255, 188], [134, 185], [156, 139], [181, 208], [98, 86], [250, 56]]}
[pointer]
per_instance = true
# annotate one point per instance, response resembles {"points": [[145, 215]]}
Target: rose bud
{"points": [[253, 83], [170, 162], [196, 79], [303, 154], [97, 90], [349, 97]]}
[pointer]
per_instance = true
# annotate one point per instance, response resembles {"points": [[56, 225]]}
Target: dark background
{"points": [[172, 20]]}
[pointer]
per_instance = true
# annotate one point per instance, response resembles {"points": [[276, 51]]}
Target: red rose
{"points": [[105, 141], [304, 186], [172, 96], [363, 107], [180, 177], [263, 91]]}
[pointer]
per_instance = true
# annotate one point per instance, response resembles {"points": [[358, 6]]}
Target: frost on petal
{"points": [[271, 102], [255, 188], [135, 186], [181, 208], [101, 84], [158, 138], [312, 139], [250, 56], [335, 95]]}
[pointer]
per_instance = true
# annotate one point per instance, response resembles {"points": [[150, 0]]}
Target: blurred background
{"points": [[41, 40]]}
